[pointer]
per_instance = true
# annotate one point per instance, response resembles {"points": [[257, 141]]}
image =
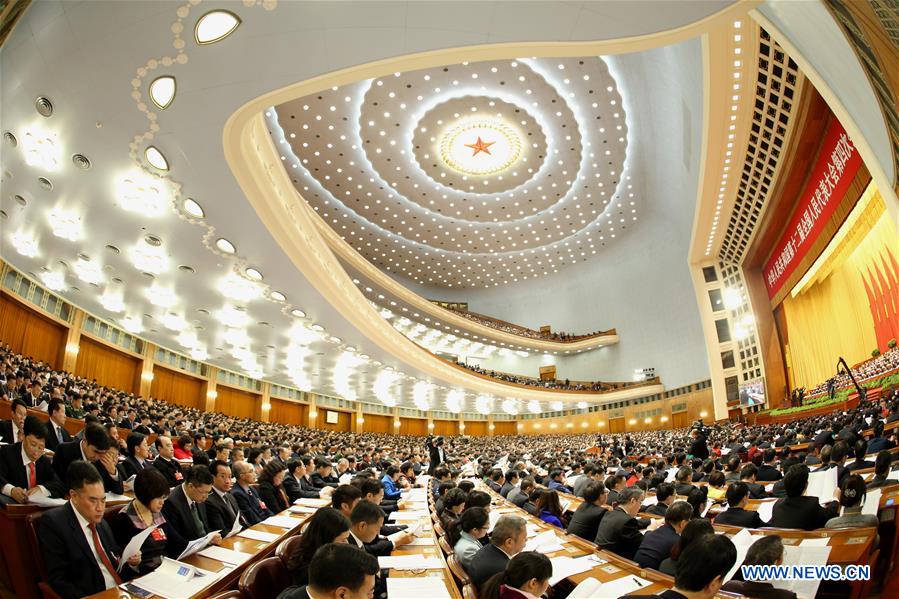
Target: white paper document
{"points": [[408, 515], [872, 502], [302, 509], [416, 588], [115, 497], [822, 484], [282, 521], [822, 542], [742, 541], [410, 562], [42, 499], [564, 566], [176, 580], [228, 556], [545, 542], [620, 586], [422, 541], [312, 502], [134, 545], [586, 589], [766, 510], [197, 545], [258, 535], [235, 528], [807, 556]]}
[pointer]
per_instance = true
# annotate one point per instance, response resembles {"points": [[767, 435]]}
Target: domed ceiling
{"points": [[467, 175]]}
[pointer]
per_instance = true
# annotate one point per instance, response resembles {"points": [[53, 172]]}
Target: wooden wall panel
{"points": [[343, 425], [377, 423], [108, 366], [237, 403], [413, 426], [446, 428], [617, 425], [476, 428], [680, 419], [288, 412], [505, 427], [177, 388], [28, 332]]}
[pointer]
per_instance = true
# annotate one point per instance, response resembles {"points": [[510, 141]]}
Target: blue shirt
{"points": [[390, 490]]}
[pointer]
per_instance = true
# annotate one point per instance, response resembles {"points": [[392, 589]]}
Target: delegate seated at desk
{"points": [[24, 469], [97, 448]]}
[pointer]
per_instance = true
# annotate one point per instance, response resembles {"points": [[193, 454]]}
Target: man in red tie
{"points": [[24, 470], [80, 552]]}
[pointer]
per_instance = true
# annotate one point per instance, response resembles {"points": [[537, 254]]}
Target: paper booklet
{"points": [[312, 502], [235, 528], [410, 562], [134, 545], [416, 588], [197, 545], [42, 499], [228, 556], [258, 535], [177, 580]]}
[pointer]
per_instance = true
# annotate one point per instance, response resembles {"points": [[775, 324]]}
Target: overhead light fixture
{"points": [[732, 298], [199, 353], [142, 193], [421, 392], [237, 288], [556, 406], [41, 148], [225, 246], [188, 339], [383, 382], [162, 91], [193, 208], [24, 244], [454, 400], [534, 407], [236, 337], [298, 313], [156, 159], [162, 297], [112, 301], [582, 404], [149, 258], [54, 280], [510, 406], [215, 26], [253, 274], [89, 272], [482, 404], [174, 322], [301, 335], [132, 324], [65, 224], [232, 317], [278, 296]]}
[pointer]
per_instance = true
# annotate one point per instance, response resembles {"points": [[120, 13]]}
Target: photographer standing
{"points": [[436, 453]]}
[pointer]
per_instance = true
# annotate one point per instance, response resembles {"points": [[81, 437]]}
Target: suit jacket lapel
{"points": [[80, 539]]}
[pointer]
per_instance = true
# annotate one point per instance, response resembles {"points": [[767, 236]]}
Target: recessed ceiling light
{"points": [[65, 224], [142, 193], [253, 274], [162, 91], [215, 26], [25, 244], [148, 258], [54, 280], [193, 208], [225, 246], [298, 313], [278, 296], [317, 327], [132, 324], [112, 301], [156, 159], [88, 271]]}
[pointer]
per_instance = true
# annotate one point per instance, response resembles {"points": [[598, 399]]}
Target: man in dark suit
{"points": [[736, 514], [664, 498], [585, 521], [12, 431], [138, 453], [657, 544], [861, 449], [56, 428], [592, 472], [165, 461], [747, 475], [701, 570], [221, 507], [496, 480], [698, 447], [36, 396], [521, 494], [337, 570], [253, 509], [80, 552], [511, 480], [878, 442], [366, 521], [97, 448], [798, 510], [323, 475], [619, 530], [508, 538], [24, 469], [436, 453], [185, 509], [683, 480], [768, 472]]}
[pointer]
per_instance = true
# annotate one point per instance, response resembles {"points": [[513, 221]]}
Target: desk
{"points": [[258, 549]]}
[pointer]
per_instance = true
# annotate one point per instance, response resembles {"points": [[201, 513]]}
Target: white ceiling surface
{"points": [[84, 56], [820, 40]]}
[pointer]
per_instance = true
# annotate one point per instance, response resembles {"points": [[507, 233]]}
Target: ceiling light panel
{"points": [[467, 175], [65, 224], [156, 159], [215, 26], [162, 91]]}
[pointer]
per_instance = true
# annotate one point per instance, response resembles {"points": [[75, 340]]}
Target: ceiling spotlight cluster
{"points": [[477, 174]]}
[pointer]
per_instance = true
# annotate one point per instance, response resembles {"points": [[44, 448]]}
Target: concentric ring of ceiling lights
{"points": [[367, 157]]}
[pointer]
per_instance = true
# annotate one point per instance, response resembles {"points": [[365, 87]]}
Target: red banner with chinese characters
{"points": [[836, 166]]}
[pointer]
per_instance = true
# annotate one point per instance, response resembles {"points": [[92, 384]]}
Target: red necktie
{"points": [[32, 476], [102, 553]]}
